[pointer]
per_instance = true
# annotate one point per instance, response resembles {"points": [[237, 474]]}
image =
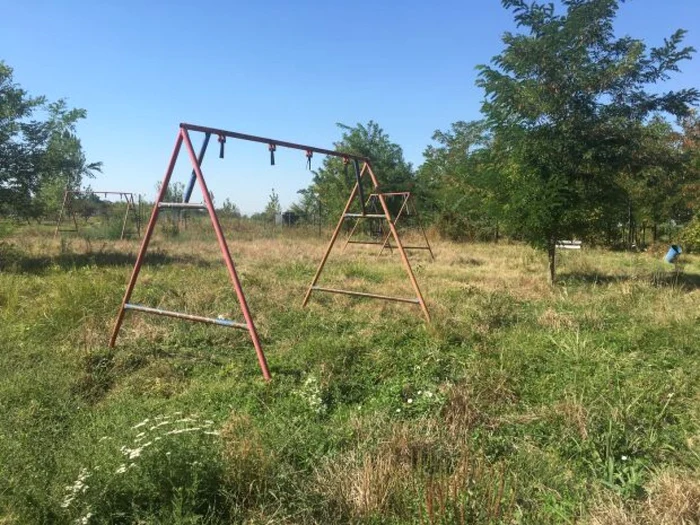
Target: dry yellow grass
{"points": [[673, 498]]}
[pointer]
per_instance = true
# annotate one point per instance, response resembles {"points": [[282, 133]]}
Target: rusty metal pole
{"points": [[146, 239], [402, 252], [60, 214], [332, 242], [227, 256], [396, 219], [126, 214], [420, 225]]}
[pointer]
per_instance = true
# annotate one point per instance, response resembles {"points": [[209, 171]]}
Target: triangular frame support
{"points": [[183, 137], [393, 234]]}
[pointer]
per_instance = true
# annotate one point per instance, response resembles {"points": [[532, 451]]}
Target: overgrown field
{"points": [[520, 403]]}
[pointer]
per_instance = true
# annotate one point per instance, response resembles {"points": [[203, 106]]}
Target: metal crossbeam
{"points": [[188, 317], [186, 205], [406, 247], [367, 242], [275, 142], [364, 216], [365, 294]]}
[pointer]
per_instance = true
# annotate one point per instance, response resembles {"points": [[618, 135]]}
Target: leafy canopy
{"points": [[333, 182], [38, 157], [567, 101]]}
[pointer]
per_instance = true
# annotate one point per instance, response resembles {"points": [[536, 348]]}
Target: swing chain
{"points": [[272, 148]]}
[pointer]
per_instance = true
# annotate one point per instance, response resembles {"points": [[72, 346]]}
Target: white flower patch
{"points": [[76, 488], [158, 425], [142, 424], [133, 453], [146, 434], [311, 394], [182, 430]]}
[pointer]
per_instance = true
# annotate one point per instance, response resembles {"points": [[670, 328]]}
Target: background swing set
{"points": [[68, 210], [406, 208], [363, 171]]}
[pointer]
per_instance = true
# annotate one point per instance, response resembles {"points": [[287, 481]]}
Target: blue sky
{"points": [[286, 70]]}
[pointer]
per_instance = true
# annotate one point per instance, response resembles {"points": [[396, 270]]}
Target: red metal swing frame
{"points": [[183, 137]]}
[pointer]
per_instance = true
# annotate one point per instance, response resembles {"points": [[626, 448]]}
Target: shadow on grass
{"points": [[15, 261], [668, 279]]}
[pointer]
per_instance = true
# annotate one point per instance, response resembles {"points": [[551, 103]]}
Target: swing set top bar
{"points": [[275, 142]]}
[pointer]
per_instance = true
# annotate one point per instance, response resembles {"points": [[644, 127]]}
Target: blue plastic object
{"points": [[673, 252]]}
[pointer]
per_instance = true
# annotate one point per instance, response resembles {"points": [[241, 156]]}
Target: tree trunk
{"points": [[630, 226], [551, 253]]}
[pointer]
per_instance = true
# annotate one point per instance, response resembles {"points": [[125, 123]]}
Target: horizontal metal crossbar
{"points": [[189, 317], [391, 194], [263, 140], [410, 247], [365, 216], [187, 205], [365, 294]]}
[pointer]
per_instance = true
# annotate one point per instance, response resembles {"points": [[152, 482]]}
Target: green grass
{"points": [[519, 403]]}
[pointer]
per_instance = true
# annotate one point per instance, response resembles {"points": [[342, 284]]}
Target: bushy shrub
{"points": [[690, 235]]}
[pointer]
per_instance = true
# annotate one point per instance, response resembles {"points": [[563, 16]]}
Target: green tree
{"points": [[333, 181], [229, 209], [455, 182], [273, 208], [308, 207], [21, 144], [566, 100], [36, 153], [654, 179], [690, 188], [63, 165]]}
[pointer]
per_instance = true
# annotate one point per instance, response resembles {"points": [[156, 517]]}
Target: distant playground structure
{"points": [[70, 210]]}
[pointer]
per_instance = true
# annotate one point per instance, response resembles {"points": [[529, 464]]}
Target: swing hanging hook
{"points": [[272, 148], [222, 141], [309, 154]]}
